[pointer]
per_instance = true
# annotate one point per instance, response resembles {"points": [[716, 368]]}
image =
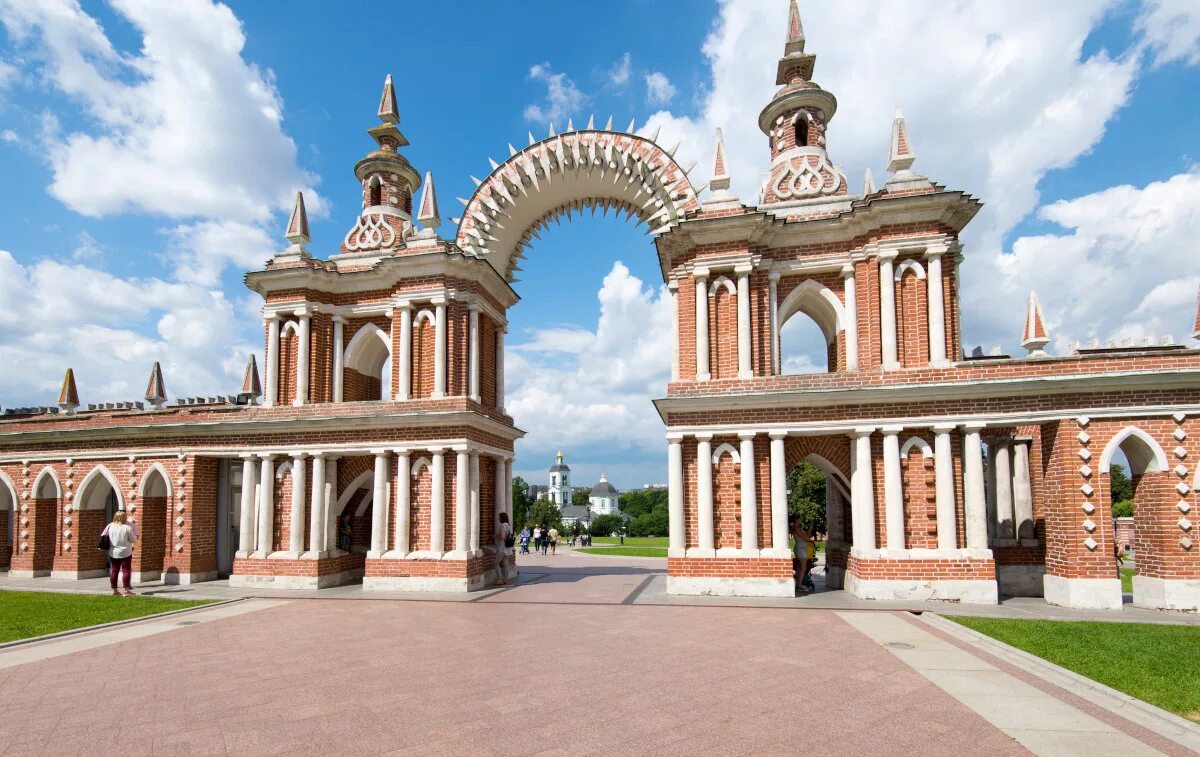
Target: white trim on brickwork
{"points": [[919, 443], [966, 591], [162, 472], [1147, 458], [53, 475], [418, 464], [819, 303], [363, 355], [282, 468], [351, 489], [1082, 593], [1180, 594], [99, 471], [909, 265], [726, 449], [832, 471], [9, 503], [718, 283]]}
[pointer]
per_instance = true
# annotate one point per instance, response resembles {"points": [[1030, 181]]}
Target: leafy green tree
{"points": [[653, 523], [580, 496], [806, 495], [606, 525], [641, 501], [543, 512], [520, 502], [1120, 488], [1123, 509]]}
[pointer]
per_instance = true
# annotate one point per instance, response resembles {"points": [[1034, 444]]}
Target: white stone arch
{"points": [[8, 493], [291, 326], [832, 473], [819, 303], [155, 472], [283, 469], [919, 443], [1144, 454], [726, 449], [909, 265], [86, 500], [418, 464], [352, 488], [424, 315], [368, 350], [48, 473], [718, 283], [565, 173]]}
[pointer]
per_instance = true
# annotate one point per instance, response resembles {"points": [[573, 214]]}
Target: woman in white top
{"points": [[121, 536], [502, 535]]}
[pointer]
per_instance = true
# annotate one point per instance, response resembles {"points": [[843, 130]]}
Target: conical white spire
{"points": [[900, 155], [720, 175], [387, 103], [427, 213], [795, 31], [297, 226], [1035, 337], [868, 183]]}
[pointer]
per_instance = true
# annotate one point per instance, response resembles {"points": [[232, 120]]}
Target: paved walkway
{"points": [[571, 654]]}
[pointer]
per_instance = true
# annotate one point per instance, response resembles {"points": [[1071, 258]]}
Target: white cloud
{"points": [[201, 251], [659, 89], [562, 99], [9, 136], [86, 247], [619, 74], [558, 339], [8, 74], [1172, 30]]}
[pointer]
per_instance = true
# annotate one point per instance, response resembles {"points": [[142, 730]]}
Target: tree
{"points": [[520, 502], [1123, 509], [641, 501], [543, 512], [606, 525], [806, 495], [580, 496], [654, 523], [1120, 488]]}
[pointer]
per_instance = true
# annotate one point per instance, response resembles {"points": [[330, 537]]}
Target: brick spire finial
{"points": [[297, 226], [251, 384], [720, 175], [68, 397], [900, 156], [156, 390], [1196, 324], [427, 213], [1035, 337], [387, 103], [795, 34]]}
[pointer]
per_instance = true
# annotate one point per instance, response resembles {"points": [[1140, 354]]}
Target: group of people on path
{"points": [[543, 540]]}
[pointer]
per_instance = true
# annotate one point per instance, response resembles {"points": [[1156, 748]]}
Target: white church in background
{"points": [[604, 498], [560, 482]]}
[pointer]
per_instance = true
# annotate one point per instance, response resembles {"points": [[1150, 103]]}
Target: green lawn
{"points": [[33, 613], [633, 541], [625, 551], [1155, 663], [1127, 575]]}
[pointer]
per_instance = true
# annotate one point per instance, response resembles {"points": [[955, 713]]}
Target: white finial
{"points": [[868, 183], [900, 155], [720, 175], [428, 210], [1036, 336]]}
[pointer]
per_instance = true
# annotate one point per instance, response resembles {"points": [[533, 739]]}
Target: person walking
{"points": [[553, 540], [504, 541], [120, 536], [526, 535], [799, 552], [537, 539]]}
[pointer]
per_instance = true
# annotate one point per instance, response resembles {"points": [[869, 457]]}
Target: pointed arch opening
{"points": [[8, 519], [47, 485], [150, 515], [802, 348], [367, 362]]}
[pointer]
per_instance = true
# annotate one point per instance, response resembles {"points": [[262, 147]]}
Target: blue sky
{"points": [[150, 149]]}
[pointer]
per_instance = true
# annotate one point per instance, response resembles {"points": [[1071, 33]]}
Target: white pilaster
{"points": [[936, 309], [743, 325], [702, 371], [749, 496], [773, 295], [862, 499], [379, 504], [302, 360], [1004, 490], [405, 358], [246, 522], [974, 503], [439, 349], [339, 348], [887, 309], [502, 496], [834, 500], [1022, 492], [329, 540], [462, 503], [508, 491], [266, 506], [675, 521], [893, 487], [296, 514], [779, 505], [500, 369], [850, 287], [317, 505], [473, 512], [704, 494], [403, 501], [272, 361], [673, 287], [473, 351], [943, 461], [437, 502]]}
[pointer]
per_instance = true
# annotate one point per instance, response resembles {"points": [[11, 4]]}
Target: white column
{"points": [[302, 361], [329, 540], [437, 502], [704, 494], [317, 505], [296, 514], [673, 287], [473, 351], [893, 488], [862, 499], [989, 488], [266, 506], [743, 325], [1022, 492], [850, 287], [473, 514], [833, 512], [749, 496], [339, 349], [272, 360], [887, 309], [508, 491], [974, 504], [936, 308], [943, 466], [462, 503], [502, 505], [403, 501], [779, 505], [246, 522], [675, 496], [439, 350], [500, 369], [773, 294], [702, 371], [405, 357], [379, 504], [1004, 489]]}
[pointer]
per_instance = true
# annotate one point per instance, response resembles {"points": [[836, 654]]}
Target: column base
{"points": [[175, 578], [1082, 593], [1167, 593], [28, 573], [965, 591], [1021, 580], [922, 575], [448, 572], [146, 576], [731, 587], [730, 576], [282, 572], [75, 575]]}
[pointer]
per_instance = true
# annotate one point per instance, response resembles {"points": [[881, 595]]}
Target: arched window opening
{"points": [[801, 349], [368, 365], [801, 132], [374, 192]]}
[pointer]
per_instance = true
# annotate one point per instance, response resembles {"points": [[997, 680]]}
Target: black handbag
{"points": [[510, 540], [105, 542]]}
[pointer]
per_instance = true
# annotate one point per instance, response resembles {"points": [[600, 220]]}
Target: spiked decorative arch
{"points": [[563, 174], [919, 443]]}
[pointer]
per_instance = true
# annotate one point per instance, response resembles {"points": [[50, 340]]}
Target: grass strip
{"points": [[24, 614]]}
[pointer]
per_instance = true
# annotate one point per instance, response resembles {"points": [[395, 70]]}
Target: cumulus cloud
{"points": [[621, 71], [1172, 30], [562, 98], [200, 251], [659, 89]]}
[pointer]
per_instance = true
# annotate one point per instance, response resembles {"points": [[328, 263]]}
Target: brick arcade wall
{"points": [[935, 570], [920, 500], [154, 530], [423, 352], [912, 319], [420, 502], [729, 567], [358, 387], [727, 502], [722, 334], [1125, 533]]}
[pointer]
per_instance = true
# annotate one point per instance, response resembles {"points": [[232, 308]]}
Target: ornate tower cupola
{"points": [[388, 185], [795, 121]]}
